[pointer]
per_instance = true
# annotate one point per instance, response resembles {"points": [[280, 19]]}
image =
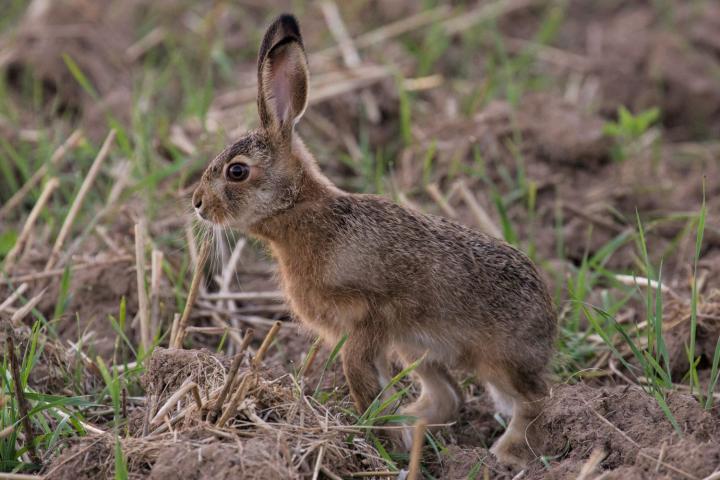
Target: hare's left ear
{"points": [[282, 77]]}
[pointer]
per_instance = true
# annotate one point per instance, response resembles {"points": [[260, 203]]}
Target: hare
{"points": [[392, 279]]}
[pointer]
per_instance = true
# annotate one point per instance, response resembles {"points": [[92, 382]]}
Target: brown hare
{"points": [[395, 280]]}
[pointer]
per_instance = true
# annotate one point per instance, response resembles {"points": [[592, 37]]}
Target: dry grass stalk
{"points": [[416, 451], [25, 310], [149, 414], [22, 402], [7, 431], [230, 329], [90, 428], [174, 329], [219, 330], [350, 55], [57, 155], [329, 474], [375, 473], [635, 281], [481, 216], [79, 198], [422, 83], [553, 55], [591, 464], [236, 399], [389, 31], [137, 49], [232, 373], [121, 177], [230, 266], [434, 192], [14, 296], [192, 294], [175, 398], [229, 270], [309, 358], [180, 139], [103, 234], [27, 229], [20, 476], [357, 78], [245, 296], [192, 245], [593, 218], [486, 11], [32, 277], [155, 276], [266, 344], [318, 463], [143, 304]]}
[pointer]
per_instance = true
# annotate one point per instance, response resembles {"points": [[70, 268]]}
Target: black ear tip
{"points": [[285, 28], [288, 25]]}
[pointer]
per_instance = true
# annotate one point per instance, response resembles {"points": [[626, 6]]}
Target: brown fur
{"points": [[393, 279]]}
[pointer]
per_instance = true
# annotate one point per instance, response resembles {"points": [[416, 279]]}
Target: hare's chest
{"points": [[319, 305]]}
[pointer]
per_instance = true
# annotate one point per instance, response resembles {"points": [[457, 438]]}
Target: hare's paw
{"points": [[512, 450]]}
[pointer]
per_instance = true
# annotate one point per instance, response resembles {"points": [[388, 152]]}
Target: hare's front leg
{"points": [[363, 359]]}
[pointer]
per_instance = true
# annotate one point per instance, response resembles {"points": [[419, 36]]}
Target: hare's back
{"points": [[393, 243]]}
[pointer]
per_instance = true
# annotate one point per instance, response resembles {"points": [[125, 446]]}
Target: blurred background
{"points": [[583, 131]]}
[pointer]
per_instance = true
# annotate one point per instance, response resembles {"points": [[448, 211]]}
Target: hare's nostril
{"points": [[197, 199]]}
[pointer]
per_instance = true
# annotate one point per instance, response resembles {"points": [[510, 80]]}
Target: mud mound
{"points": [[167, 369], [623, 426], [259, 457], [190, 454], [629, 426]]}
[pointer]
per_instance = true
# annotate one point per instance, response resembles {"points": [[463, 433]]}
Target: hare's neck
{"points": [[292, 226]]}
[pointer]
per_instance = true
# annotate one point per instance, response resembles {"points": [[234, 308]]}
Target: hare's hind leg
{"points": [[523, 393], [440, 397]]}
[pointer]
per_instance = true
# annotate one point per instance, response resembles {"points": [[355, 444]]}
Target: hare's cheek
{"points": [[256, 173]]}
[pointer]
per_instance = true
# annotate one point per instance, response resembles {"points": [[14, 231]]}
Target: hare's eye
{"points": [[237, 172]]}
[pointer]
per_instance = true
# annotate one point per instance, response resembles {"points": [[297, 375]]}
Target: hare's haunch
{"points": [[393, 279]]}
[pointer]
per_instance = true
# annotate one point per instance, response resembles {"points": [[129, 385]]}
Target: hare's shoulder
{"points": [[377, 216], [371, 226]]}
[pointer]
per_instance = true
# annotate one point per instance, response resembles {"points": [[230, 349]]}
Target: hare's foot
{"points": [[523, 398], [512, 449]]}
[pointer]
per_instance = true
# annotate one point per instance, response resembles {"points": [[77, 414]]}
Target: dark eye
{"points": [[237, 172]]}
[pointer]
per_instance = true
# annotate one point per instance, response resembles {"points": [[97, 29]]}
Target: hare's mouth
{"points": [[212, 217]]}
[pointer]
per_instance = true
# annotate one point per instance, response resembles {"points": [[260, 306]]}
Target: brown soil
{"points": [[93, 35], [244, 447], [625, 423], [606, 54]]}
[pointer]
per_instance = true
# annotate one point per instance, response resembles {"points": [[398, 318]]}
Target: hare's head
{"points": [[259, 175]]}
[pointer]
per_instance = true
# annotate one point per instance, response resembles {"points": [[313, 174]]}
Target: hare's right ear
{"points": [[282, 77]]}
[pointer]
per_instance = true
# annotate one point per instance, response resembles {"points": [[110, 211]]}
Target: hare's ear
{"points": [[282, 77]]}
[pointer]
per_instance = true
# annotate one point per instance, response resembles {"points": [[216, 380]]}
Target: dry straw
{"points": [[79, 198], [192, 294], [27, 229], [144, 309]]}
